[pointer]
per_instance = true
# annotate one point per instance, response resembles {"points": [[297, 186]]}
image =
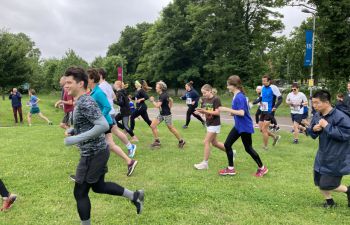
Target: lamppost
{"points": [[311, 83]]}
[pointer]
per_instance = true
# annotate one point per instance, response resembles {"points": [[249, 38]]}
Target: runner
{"points": [[8, 199], [140, 97], [297, 101], [34, 108], [192, 97], [258, 111], [164, 104], [67, 103], [243, 128], [210, 108], [88, 134]]}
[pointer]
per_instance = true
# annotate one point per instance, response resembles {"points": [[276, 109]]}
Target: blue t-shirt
{"points": [[101, 99], [268, 97], [33, 100], [243, 124]]}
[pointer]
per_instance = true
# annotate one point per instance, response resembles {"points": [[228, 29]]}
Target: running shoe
{"points": [[181, 143], [184, 127], [7, 204], [138, 200], [201, 166], [131, 167], [132, 151], [227, 171], [261, 172], [155, 144], [276, 139]]}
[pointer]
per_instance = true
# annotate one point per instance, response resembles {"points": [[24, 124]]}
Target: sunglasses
{"points": [[294, 89]]}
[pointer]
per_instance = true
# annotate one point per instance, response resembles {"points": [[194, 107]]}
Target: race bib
{"points": [[264, 106], [189, 101]]}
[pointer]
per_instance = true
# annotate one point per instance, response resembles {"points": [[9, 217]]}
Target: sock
{"points": [[263, 167], [86, 222], [205, 161], [157, 140], [129, 146], [330, 201], [128, 194], [230, 167]]}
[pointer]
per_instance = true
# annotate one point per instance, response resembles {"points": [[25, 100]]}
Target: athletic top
{"points": [[267, 97], [99, 96], [67, 108], [108, 90], [211, 104], [122, 101], [138, 95], [33, 100], [164, 108], [243, 124], [297, 100], [191, 96]]}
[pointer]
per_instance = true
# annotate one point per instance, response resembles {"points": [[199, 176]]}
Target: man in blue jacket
{"points": [[15, 98], [332, 160]]}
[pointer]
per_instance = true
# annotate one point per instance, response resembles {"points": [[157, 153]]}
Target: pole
{"points": [[313, 49]]}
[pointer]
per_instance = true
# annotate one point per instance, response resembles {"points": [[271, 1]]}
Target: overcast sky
{"points": [[88, 26]]}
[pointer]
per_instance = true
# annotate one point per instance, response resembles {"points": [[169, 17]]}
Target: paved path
{"points": [[179, 113]]}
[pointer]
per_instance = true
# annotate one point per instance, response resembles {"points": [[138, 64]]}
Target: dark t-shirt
{"points": [[164, 109], [138, 95], [211, 104]]}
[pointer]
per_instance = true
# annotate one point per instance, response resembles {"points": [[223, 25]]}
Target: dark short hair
{"points": [[78, 75], [323, 95], [267, 77], [103, 73], [295, 85], [340, 95], [32, 91], [93, 75]]}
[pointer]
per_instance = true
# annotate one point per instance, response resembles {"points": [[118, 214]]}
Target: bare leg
{"points": [[153, 126], [207, 140], [43, 117], [173, 130], [116, 149]]}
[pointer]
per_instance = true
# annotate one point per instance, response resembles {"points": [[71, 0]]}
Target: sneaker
{"points": [[7, 204], [276, 139], [227, 171], [155, 144], [184, 127], [72, 177], [329, 206], [131, 167], [132, 151], [261, 172], [296, 141], [138, 200], [181, 143], [265, 148], [277, 128], [201, 166], [134, 139]]}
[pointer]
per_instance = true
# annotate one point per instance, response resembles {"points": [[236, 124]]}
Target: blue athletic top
{"points": [[243, 124], [101, 99], [33, 102], [268, 95]]}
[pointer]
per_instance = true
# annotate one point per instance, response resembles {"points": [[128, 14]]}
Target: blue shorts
{"points": [[297, 117]]}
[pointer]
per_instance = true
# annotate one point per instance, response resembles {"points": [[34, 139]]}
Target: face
{"points": [[62, 81], [187, 87], [349, 87], [230, 88], [73, 87], [206, 93], [14, 90], [118, 85], [90, 83], [318, 105], [265, 82], [295, 90], [258, 90], [158, 89]]}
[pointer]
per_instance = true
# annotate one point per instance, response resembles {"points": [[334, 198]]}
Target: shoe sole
{"points": [[132, 169], [201, 168], [275, 142], [72, 179], [227, 174]]}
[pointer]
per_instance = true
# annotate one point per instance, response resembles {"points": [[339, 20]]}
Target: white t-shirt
{"points": [[297, 100], [107, 89]]}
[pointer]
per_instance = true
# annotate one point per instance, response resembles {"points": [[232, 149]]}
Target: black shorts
{"points": [[110, 129], [297, 117], [265, 117], [91, 168], [326, 182], [68, 118]]}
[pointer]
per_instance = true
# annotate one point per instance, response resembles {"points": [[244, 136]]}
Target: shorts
{"points": [[67, 119], [110, 129], [91, 168], [214, 129], [34, 110], [326, 182], [296, 117], [265, 117], [167, 119]]}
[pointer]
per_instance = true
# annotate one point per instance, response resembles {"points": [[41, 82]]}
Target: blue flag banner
{"points": [[308, 52]]}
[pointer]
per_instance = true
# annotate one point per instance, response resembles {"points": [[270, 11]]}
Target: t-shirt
{"points": [[297, 100], [99, 96], [66, 97], [164, 108], [108, 90], [85, 112], [243, 124], [138, 95], [268, 96], [33, 100], [211, 104]]}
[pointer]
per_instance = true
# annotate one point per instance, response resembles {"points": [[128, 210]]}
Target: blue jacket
{"points": [[16, 99], [191, 95], [333, 155], [101, 99]]}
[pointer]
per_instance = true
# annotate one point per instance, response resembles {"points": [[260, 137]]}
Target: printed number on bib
{"points": [[189, 101], [264, 107]]}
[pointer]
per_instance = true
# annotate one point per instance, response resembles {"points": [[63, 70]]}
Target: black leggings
{"points": [[124, 124], [142, 111], [247, 142], [273, 119], [257, 115], [3, 191], [190, 111], [81, 194]]}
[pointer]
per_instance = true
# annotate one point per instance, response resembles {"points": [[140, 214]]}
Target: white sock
{"points": [[230, 167]]}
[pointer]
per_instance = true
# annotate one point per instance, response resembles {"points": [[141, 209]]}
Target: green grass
{"points": [[35, 164]]}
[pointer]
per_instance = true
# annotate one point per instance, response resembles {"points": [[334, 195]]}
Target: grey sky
{"points": [[88, 26]]}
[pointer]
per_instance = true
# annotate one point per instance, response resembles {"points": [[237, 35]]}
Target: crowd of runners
{"points": [[91, 120]]}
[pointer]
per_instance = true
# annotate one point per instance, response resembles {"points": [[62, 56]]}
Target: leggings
{"points": [[124, 124], [257, 115], [81, 194], [190, 111], [273, 119], [247, 142], [142, 111], [3, 191]]}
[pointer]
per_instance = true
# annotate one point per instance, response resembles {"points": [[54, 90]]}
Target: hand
{"points": [[317, 128], [323, 123], [151, 99], [200, 110], [11, 93], [273, 109], [67, 134]]}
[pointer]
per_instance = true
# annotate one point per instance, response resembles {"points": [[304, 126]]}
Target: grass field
{"points": [[35, 164]]}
